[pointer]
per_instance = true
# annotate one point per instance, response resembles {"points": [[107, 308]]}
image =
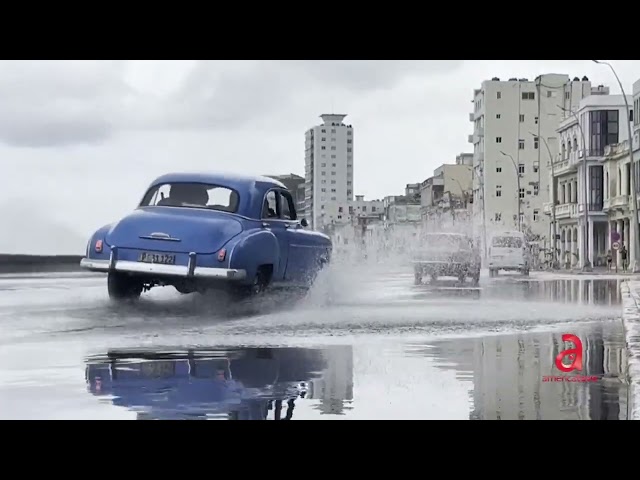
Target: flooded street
{"points": [[364, 344]]}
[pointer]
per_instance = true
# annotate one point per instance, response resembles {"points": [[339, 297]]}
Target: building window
{"points": [[351, 210], [323, 189], [373, 209], [333, 173], [349, 141], [567, 95], [333, 164], [521, 144], [339, 209], [498, 116], [536, 215], [499, 95], [536, 189], [333, 198], [323, 139], [521, 168], [535, 120], [323, 147], [324, 130], [522, 193], [498, 217], [498, 190], [339, 217], [323, 164], [604, 130], [535, 167], [349, 132], [324, 181], [323, 173], [333, 156], [528, 96], [333, 182], [498, 139], [333, 190], [535, 143], [498, 169], [349, 192], [349, 182], [349, 149], [333, 148], [521, 118], [364, 208], [333, 139]]}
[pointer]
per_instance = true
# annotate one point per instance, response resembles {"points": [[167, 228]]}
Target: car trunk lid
{"points": [[179, 230]]}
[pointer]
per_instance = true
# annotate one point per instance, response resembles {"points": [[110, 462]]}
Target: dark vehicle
{"points": [[446, 255]]}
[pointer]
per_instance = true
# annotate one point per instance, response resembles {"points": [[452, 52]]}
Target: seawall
{"points": [[39, 263]]}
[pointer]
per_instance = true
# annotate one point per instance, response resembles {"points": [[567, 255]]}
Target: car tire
{"points": [[123, 287]]}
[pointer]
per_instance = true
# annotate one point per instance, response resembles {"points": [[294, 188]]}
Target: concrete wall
{"points": [[39, 263]]}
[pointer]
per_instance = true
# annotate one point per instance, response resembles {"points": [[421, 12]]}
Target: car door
{"points": [[300, 250], [271, 220]]}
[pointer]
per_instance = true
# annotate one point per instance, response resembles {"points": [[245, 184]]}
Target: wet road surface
{"points": [[365, 343]]}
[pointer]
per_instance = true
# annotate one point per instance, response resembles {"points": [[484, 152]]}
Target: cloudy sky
{"points": [[81, 140]]}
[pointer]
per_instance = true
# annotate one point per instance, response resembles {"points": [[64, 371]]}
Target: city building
{"points": [[402, 214], [593, 136], [515, 123], [328, 172], [446, 196], [464, 159]]}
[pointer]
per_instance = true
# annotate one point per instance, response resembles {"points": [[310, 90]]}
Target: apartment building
{"points": [[515, 135], [445, 196], [328, 172], [592, 179]]}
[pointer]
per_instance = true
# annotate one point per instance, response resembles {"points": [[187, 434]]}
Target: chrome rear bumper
{"points": [[190, 271]]}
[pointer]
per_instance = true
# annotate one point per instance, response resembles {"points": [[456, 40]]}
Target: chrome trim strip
{"points": [[170, 270]]}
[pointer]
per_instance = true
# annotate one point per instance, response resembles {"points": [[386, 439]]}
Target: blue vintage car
{"points": [[204, 231]]}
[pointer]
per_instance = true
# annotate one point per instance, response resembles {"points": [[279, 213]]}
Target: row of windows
{"points": [[333, 182], [349, 149], [536, 191], [525, 95], [521, 168], [536, 216], [522, 143], [333, 139], [333, 130]]}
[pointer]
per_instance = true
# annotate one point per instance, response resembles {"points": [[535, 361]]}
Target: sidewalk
{"points": [[630, 291]]}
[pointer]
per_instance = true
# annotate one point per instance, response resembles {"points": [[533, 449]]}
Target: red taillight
{"points": [[98, 246], [221, 255]]}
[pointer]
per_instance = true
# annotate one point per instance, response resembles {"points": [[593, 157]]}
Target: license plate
{"points": [[162, 258], [157, 369]]}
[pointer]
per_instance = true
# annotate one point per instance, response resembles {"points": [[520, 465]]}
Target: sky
{"points": [[81, 140]]}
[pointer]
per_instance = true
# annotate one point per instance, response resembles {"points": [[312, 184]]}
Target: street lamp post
{"points": [[635, 268], [553, 203], [518, 180], [586, 263]]}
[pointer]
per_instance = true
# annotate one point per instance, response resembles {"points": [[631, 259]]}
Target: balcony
{"points": [[562, 167], [472, 117], [618, 202], [470, 138], [566, 210]]}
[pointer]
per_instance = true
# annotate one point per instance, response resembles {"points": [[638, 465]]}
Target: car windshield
{"points": [[192, 195], [447, 242], [507, 242]]}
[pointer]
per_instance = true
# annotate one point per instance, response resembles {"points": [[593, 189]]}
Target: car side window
{"points": [[287, 208], [270, 205]]}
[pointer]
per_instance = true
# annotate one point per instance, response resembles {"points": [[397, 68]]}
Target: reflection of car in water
{"points": [[446, 255], [508, 251], [235, 383]]}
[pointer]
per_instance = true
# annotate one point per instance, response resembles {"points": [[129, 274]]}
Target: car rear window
{"points": [[192, 195], [507, 242]]}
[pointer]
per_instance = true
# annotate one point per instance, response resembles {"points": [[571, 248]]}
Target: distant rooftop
{"points": [[329, 118]]}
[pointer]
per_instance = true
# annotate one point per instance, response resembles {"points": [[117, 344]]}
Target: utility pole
{"points": [[635, 268], [519, 199]]}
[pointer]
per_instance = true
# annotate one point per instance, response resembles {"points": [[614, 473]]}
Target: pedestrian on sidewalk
{"points": [[623, 257], [609, 260]]}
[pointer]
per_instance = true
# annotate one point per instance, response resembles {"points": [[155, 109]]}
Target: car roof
{"points": [[231, 180]]}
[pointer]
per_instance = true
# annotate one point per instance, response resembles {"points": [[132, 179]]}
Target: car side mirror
{"points": [[304, 222]]}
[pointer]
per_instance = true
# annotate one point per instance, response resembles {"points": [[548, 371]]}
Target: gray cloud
{"points": [[51, 103]]}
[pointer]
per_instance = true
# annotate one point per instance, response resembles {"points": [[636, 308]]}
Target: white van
{"points": [[508, 251]]}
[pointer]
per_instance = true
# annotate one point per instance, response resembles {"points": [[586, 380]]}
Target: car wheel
{"points": [[123, 287]]}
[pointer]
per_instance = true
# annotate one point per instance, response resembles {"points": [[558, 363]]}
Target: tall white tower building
{"points": [[328, 171], [514, 122]]}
